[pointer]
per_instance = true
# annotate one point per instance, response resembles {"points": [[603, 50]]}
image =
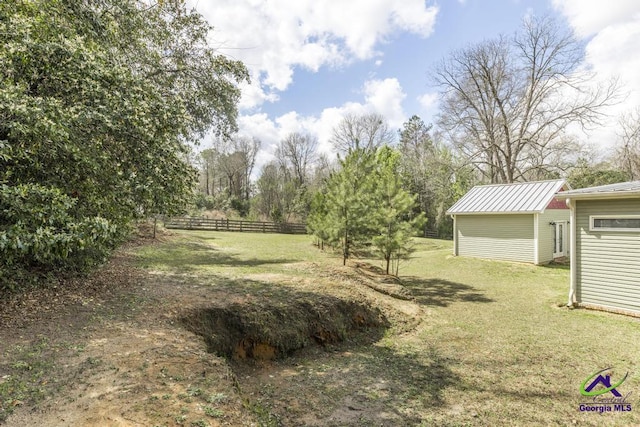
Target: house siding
{"points": [[502, 237], [607, 262], [546, 232]]}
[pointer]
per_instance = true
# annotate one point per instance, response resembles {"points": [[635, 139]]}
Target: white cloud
{"points": [[385, 97], [429, 103], [612, 53], [380, 96], [613, 34], [254, 95], [274, 37], [588, 17]]}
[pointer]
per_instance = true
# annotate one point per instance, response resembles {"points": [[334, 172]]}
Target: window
{"points": [[614, 223]]}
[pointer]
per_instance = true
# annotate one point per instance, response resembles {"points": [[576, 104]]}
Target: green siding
{"points": [[503, 237], [547, 232], [607, 262]]}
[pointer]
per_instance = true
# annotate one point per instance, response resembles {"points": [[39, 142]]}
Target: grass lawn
{"points": [[492, 344]]}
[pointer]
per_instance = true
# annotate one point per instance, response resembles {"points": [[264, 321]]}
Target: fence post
{"points": [[241, 226]]}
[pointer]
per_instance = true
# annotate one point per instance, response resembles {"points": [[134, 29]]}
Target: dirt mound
{"points": [[268, 330]]}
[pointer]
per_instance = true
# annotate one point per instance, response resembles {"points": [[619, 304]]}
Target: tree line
{"points": [[508, 106], [102, 101]]}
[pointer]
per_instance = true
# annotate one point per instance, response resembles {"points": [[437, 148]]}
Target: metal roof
{"points": [[610, 189], [524, 197]]}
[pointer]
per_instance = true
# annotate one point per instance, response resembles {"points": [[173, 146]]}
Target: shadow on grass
{"points": [[557, 266], [380, 381], [188, 255], [354, 385], [442, 292]]}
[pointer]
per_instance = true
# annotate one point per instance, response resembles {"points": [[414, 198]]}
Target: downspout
{"points": [[573, 261]]}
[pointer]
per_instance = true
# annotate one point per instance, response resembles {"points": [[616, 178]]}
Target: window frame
{"points": [[592, 226]]}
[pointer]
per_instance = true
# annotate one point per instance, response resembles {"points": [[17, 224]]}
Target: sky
{"points": [[311, 62]]}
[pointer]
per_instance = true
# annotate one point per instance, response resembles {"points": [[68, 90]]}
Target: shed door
{"points": [[560, 239]]}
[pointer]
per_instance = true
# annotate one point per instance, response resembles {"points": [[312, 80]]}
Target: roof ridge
{"points": [[520, 183]]}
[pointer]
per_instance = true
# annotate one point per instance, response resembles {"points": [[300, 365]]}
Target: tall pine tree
{"points": [[349, 218], [395, 224], [364, 204]]}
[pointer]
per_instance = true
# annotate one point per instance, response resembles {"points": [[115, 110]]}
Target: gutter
{"points": [[602, 195], [452, 213]]}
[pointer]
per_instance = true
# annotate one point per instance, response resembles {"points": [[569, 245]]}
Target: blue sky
{"points": [[406, 56], [312, 62]]}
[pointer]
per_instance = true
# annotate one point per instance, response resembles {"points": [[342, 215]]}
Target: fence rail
{"points": [[432, 234], [190, 223]]}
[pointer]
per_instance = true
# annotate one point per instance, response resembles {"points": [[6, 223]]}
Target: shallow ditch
{"points": [[274, 329]]}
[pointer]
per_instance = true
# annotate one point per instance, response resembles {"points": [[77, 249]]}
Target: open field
{"points": [[480, 342]]}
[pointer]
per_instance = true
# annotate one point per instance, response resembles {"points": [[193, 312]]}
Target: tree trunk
{"points": [[155, 223], [345, 248]]}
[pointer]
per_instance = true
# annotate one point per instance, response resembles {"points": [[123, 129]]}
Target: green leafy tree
{"points": [[588, 175], [98, 101], [39, 229]]}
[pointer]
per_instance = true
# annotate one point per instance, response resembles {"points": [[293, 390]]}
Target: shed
{"points": [[605, 249], [513, 222]]}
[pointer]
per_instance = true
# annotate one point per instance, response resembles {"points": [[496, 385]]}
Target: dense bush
{"points": [[219, 202], [38, 233]]}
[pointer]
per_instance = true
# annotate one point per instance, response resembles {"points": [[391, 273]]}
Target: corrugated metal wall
{"points": [[608, 262], [503, 237]]}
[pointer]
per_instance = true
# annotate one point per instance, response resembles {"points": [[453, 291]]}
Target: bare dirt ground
{"points": [[109, 352], [112, 350]]}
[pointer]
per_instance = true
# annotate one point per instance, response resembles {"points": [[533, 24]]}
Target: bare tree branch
{"points": [[508, 102], [368, 131]]}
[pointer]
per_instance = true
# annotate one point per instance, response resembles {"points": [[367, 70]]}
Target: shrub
{"points": [[38, 232]]}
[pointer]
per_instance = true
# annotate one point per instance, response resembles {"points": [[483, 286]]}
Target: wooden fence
{"points": [[189, 223], [432, 234]]}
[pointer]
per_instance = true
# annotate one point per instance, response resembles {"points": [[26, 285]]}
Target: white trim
{"points": [[592, 227], [455, 236], [495, 213], [560, 237], [573, 284], [601, 195], [536, 249]]}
